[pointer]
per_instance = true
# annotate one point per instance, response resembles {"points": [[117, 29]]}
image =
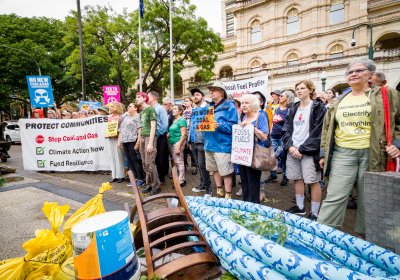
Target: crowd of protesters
{"points": [[314, 137]]}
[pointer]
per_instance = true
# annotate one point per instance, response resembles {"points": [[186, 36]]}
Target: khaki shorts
{"points": [[304, 168], [220, 162]]}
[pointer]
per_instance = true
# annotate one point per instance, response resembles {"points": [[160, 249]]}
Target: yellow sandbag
{"points": [[19, 268], [63, 250], [91, 208], [44, 272], [67, 271]]}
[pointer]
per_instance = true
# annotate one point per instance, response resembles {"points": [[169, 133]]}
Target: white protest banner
{"points": [[64, 145], [242, 144], [238, 88]]}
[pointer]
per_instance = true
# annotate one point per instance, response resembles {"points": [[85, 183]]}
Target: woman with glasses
{"points": [[354, 141], [93, 112]]}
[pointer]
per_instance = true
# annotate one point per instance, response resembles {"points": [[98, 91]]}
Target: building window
{"points": [[292, 59], [337, 12], [230, 25], [293, 22], [226, 72], [336, 51], [256, 32], [255, 66]]}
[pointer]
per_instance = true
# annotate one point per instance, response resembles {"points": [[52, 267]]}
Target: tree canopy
{"points": [[111, 46]]}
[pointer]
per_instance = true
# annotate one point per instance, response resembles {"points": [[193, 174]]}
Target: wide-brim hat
{"points": [[194, 90], [219, 85], [262, 97], [277, 92], [104, 109]]}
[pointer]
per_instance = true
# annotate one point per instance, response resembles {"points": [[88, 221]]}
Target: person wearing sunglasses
{"points": [[354, 141]]}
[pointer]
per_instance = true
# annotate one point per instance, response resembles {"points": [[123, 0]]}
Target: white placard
{"points": [[242, 144], [64, 145], [238, 88]]}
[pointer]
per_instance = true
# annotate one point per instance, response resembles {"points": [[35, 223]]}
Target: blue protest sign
{"points": [[89, 105], [40, 91]]}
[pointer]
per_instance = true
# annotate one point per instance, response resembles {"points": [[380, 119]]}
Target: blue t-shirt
{"points": [[263, 126], [278, 122]]}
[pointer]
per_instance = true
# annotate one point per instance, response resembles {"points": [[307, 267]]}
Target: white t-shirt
{"points": [[301, 125]]}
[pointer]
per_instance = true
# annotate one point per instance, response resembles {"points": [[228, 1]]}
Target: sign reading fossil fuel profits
{"points": [[64, 145], [242, 144]]}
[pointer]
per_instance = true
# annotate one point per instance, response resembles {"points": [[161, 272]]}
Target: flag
{"points": [[141, 8]]}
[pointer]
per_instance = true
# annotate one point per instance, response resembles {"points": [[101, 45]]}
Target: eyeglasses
{"points": [[357, 71], [91, 113]]}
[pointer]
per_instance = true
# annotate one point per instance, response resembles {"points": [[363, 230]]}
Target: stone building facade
{"points": [[293, 40]]}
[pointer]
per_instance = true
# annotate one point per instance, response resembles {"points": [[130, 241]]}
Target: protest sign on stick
{"points": [[242, 144]]}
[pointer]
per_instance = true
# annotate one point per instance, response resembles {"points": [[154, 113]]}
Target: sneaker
{"points": [[271, 178], [312, 217], [208, 194], [296, 210], [240, 192], [155, 191], [129, 184], [199, 189], [147, 189], [183, 184], [120, 180], [284, 181], [139, 183]]}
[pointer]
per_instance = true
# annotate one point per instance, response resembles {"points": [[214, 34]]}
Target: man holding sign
{"points": [[218, 142]]}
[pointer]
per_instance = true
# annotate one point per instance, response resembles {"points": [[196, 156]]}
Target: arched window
{"points": [[256, 32], [225, 72], [255, 66], [293, 22], [336, 51], [337, 11], [292, 58]]}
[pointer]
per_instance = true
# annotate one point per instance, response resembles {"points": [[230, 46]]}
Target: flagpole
{"points": [[140, 51], [171, 51]]}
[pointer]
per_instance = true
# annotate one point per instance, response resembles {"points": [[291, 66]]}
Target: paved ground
{"points": [[78, 187]]}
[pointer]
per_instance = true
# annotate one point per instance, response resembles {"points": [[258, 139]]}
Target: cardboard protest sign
{"points": [[242, 144], [203, 118], [112, 128]]}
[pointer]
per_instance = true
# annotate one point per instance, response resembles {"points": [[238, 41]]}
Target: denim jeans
{"points": [[134, 161], [275, 144], [200, 158]]}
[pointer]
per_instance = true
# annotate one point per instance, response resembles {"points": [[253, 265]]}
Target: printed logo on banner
{"points": [[40, 151], [40, 91], [39, 139], [41, 163]]}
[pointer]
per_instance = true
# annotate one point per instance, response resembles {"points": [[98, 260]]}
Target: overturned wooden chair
{"points": [[171, 229]]}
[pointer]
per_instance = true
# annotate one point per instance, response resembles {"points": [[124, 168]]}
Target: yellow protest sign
{"points": [[112, 128]]}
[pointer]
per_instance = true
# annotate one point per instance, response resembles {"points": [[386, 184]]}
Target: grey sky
{"points": [[208, 9]]}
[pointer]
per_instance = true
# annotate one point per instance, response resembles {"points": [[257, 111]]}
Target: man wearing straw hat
{"points": [[218, 143]]}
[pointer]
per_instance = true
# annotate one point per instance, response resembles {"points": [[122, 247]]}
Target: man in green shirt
{"points": [[148, 144]]}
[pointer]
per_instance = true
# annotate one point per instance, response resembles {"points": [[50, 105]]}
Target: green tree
{"points": [[111, 46], [27, 44]]}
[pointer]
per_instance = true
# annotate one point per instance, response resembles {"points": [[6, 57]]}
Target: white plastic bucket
{"points": [[103, 248]]}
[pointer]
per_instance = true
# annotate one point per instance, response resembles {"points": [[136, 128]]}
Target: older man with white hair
{"points": [[218, 143]]}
